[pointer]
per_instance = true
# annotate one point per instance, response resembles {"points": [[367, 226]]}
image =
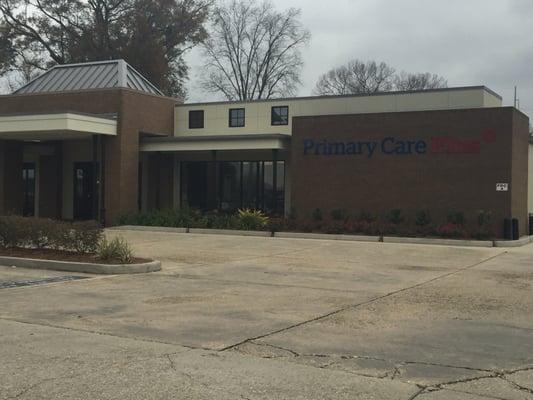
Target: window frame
{"points": [[274, 123], [230, 119], [203, 119]]}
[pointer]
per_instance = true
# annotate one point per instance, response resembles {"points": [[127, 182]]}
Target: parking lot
{"points": [[261, 318]]}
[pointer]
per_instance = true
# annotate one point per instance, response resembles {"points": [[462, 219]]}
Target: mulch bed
{"points": [[57, 255]]}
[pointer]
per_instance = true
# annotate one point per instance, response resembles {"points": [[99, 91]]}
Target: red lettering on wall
{"points": [[450, 145]]}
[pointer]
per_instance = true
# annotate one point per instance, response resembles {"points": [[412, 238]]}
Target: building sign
{"points": [[502, 187], [393, 146]]}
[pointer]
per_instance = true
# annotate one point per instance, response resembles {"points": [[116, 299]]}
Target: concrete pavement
{"points": [[265, 318]]}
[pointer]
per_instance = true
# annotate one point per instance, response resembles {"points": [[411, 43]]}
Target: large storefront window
{"points": [[233, 185]]}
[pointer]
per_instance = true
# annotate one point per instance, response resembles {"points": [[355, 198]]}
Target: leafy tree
{"points": [[359, 77], [253, 51], [152, 35]]}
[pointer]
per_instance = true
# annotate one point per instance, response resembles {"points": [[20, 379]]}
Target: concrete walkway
{"points": [[264, 318]]}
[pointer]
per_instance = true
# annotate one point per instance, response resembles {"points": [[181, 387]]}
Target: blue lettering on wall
{"points": [[388, 146]]}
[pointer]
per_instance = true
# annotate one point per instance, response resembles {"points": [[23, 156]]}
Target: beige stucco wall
{"points": [[258, 113], [530, 181]]}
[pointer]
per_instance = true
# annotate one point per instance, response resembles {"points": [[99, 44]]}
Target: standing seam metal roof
{"points": [[93, 75]]}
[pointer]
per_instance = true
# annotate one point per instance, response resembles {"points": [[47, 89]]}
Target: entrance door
{"points": [[28, 177], [84, 195]]}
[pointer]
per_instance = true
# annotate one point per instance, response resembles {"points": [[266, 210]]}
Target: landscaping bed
{"points": [[456, 225], [67, 246], [59, 255]]}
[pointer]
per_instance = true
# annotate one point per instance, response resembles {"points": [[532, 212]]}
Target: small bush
{"points": [[451, 230], [422, 218], [10, 232], [252, 220], [395, 217], [317, 215], [339, 214], [116, 249], [484, 218], [367, 217], [456, 218], [40, 233], [85, 236]]}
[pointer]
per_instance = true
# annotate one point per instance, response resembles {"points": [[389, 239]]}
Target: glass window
{"points": [[280, 115], [196, 119], [251, 190], [236, 118], [230, 186]]}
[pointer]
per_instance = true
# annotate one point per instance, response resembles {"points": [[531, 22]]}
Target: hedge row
{"points": [[41, 233], [396, 222]]}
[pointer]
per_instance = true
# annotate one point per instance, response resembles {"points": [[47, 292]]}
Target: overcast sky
{"points": [[469, 42]]}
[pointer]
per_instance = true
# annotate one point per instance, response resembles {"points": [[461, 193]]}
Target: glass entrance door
{"points": [[84, 195], [28, 178]]}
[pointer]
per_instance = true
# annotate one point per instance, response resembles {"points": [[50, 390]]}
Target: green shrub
{"points": [[252, 220], [422, 218], [40, 233], [451, 230], [339, 214], [85, 236], [116, 249], [395, 217], [10, 232], [484, 218], [456, 218], [317, 215], [367, 217]]}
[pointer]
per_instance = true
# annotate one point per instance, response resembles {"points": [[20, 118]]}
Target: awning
{"points": [[218, 142], [60, 126]]}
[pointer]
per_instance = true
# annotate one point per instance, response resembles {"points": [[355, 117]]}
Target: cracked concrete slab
{"points": [[492, 387], [523, 379], [450, 395], [81, 365], [275, 318]]}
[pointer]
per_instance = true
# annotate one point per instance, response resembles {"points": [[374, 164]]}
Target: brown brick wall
{"points": [[137, 112], [441, 182]]}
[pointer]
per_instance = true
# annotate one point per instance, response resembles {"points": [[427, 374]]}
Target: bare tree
{"points": [[358, 77], [253, 51], [421, 81]]}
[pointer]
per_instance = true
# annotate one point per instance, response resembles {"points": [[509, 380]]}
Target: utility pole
{"points": [[515, 99]]}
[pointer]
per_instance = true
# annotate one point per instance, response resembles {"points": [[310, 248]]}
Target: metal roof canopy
{"points": [[91, 75]]}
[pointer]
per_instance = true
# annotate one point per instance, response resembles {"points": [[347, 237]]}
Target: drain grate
{"points": [[15, 284]]}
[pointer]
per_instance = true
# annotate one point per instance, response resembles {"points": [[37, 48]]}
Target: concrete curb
{"points": [[147, 229], [325, 236], [89, 268], [229, 232], [513, 243], [439, 242]]}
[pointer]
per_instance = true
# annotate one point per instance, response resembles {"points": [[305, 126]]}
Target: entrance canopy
{"points": [[216, 142], [58, 126]]}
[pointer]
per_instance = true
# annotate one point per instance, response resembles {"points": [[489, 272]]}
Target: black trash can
{"points": [[507, 229], [516, 229], [530, 224]]}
